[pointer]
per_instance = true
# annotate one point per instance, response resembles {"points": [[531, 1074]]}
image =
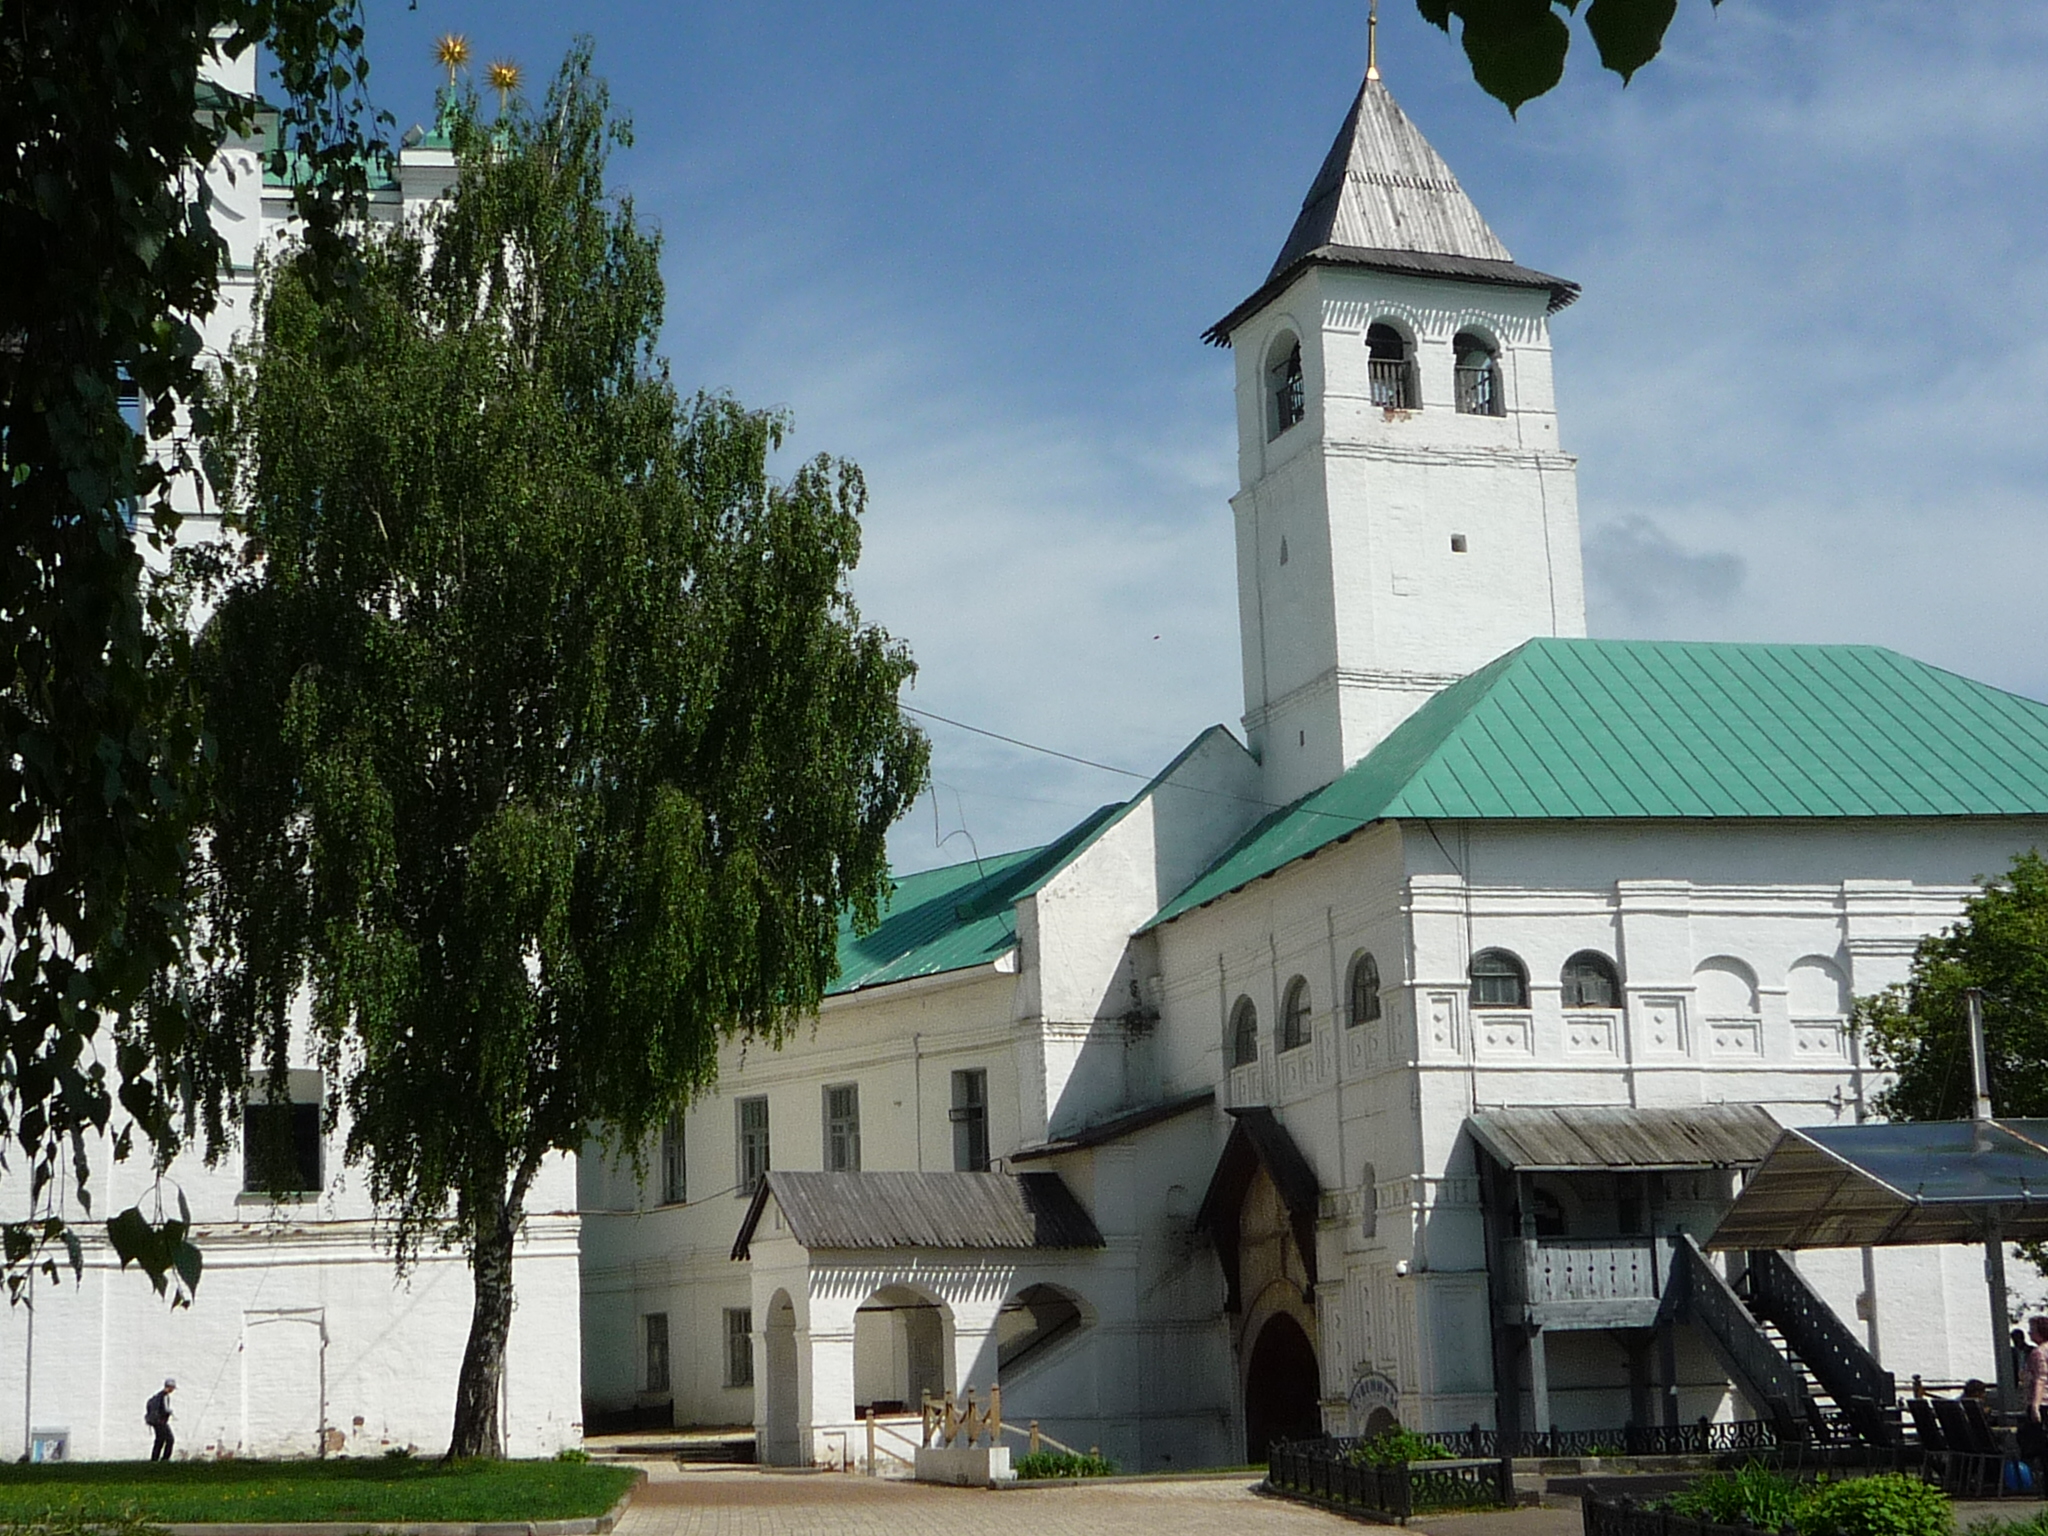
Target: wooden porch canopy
{"points": [[922, 1210], [1893, 1185], [1616, 1138], [1260, 1143]]}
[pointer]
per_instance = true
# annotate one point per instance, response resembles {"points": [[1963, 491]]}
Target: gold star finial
{"points": [[1372, 41], [452, 53], [504, 76]]}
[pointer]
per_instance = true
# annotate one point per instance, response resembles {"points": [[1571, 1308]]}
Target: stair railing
{"points": [[1863, 1389], [1704, 1297]]}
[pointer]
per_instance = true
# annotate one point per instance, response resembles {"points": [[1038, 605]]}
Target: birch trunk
{"points": [[478, 1388]]}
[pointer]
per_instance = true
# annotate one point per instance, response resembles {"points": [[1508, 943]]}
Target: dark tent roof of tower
{"points": [[1385, 200]]}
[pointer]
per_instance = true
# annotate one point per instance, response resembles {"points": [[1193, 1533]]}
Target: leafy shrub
{"points": [[1040, 1464], [574, 1453], [1396, 1447], [1751, 1495], [1885, 1505]]}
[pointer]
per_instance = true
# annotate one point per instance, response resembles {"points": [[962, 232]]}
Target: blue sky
{"points": [[972, 248]]}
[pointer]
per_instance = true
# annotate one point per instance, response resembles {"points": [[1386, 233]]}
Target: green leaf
{"points": [[1629, 32], [1517, 47]]}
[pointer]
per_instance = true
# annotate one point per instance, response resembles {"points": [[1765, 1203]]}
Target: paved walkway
{"points": [[702, 1501]]}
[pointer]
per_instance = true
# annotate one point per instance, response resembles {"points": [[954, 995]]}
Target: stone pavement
{"points": [[703, 1501]]}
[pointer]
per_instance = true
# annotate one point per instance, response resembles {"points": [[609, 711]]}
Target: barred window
{"points": [[753, 1135], [1498, 980], [739, 1346], [1590, 981], [675, 1172], [1244, 1033], [842, 1128], [1295, 1014], [970, 1121], [1365, 990], [655, 1327]]}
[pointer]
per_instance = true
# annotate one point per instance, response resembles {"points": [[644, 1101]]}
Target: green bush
{"points": [[1396, 1447], [572, 1453], [1039, 1464], [1885, 1505], [1751, 1495]]}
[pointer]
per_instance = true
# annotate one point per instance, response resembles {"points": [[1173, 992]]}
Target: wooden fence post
{"points": [[871, 1440], [1034, 1437]]}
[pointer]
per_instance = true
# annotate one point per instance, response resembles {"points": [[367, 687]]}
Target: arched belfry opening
{"points": [[1260, 1212]]}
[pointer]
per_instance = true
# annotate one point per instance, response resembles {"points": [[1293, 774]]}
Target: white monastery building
{"points": [[1387, 1062], [1390, 1061]]}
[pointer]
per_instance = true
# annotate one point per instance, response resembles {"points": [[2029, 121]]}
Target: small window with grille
{"points": [[675, 1170], [970, 1121], [1295, 1014], [842, 1128], [739, 1346], [1365, 990], [1244, 1033], [753, 1148], [1499, 980], [1590, 981], [655, 1327]]}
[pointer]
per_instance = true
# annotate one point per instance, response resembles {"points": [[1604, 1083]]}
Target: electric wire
{"points": [[1352, 822]]}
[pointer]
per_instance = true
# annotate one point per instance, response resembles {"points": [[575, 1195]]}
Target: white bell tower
{"points": [[1404, 513]]}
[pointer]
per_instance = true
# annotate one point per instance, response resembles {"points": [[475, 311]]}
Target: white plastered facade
{"points": [[301, 1339]]}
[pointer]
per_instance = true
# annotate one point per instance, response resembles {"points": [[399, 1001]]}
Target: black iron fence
{"points": [[1702, 1437], [1324, 1472]]}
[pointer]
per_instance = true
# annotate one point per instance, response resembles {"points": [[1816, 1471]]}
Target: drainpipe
{"points": [[1994, 1231], [28, 1374], [917, 1094]]}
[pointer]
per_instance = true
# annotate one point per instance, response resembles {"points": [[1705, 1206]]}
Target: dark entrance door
{"points": [[1281, 1389]]}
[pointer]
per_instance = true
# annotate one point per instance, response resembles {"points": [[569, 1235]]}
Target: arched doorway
{"points": [[899, 1350], [1282, 1388], [781, 1444]]}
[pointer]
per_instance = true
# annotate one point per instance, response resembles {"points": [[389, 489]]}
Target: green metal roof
{"points": [[953, 918], [1639, 729]]}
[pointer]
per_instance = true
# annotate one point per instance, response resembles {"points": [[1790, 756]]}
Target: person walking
{"points": [[157, 1415], [2032, 1437]]}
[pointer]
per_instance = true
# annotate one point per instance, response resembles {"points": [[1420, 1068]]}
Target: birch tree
{"points": [[550, 745]]}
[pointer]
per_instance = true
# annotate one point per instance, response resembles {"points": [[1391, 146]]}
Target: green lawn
{"points": [[383, 1489]]}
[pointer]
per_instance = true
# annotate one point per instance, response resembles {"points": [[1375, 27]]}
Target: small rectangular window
{"points": [[842, 1128], [739, 1346], [675, 1168], [656, 1329], [970, 1121], [753, 1152], [281, 1149]]}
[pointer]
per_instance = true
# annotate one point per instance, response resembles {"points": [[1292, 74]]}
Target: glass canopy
{"points": [[1854, 1186]]}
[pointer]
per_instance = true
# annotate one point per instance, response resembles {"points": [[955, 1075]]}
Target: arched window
{"points": [[1294, 1015], [1499, 980], [1244, 1033], [1287, 401], [1547, 1213], [1479, 385], [1590, 981], [1390, 364], [1365, 990]]}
